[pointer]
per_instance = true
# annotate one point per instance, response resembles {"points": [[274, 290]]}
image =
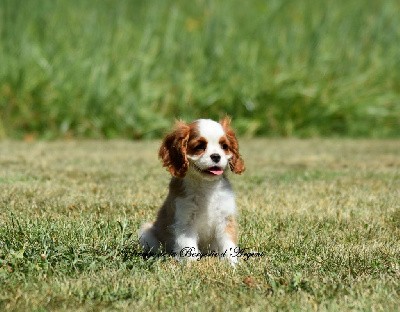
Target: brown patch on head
{"points": [[185, 139], [225, 144], [236, 163], [197, 144], [173, 150], [231, 228]]}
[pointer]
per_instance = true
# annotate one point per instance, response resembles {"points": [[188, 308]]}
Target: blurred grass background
{"points": [[105, 69]]}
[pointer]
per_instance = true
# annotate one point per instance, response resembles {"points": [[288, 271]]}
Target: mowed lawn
{"points": [[324, 213]]}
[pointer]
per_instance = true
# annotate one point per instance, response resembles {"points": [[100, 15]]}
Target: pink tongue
{"points": [[216, 171]]}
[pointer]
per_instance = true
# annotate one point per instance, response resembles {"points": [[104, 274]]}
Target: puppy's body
{"points": [[199, 211]]}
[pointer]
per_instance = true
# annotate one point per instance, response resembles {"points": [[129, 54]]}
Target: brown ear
{"points": [[236, 163], [173, 150]]}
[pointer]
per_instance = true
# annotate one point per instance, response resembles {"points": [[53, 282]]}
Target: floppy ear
{"points": [[173, 150], [236, 163]]}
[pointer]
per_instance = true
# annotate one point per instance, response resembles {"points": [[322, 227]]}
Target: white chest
{"points": [[205, 210]]}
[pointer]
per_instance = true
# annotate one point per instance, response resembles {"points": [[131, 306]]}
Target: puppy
{"points": [[198, 215]]}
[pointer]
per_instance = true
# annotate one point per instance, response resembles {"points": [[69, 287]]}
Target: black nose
{"points": [[215, 157]]}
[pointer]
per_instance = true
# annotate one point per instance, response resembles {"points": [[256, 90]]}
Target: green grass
{"points": [[127, 68], [325, 213]]}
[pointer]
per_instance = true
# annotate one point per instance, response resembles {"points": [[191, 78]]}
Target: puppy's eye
{"points": [[201, 146], [224, 146]]}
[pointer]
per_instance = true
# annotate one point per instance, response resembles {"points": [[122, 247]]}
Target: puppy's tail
{"points": [[147, 239]]}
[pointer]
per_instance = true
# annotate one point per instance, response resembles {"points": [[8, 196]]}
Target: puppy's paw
{"points": [[187, 254]]}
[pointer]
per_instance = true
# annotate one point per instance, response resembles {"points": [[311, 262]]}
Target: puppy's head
{"points": [[205, 147]]}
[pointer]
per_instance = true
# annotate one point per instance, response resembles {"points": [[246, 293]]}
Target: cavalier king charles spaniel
{"points": [[198, 215]]}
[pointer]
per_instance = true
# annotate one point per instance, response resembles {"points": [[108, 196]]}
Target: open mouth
{"points": [[215, 170]]}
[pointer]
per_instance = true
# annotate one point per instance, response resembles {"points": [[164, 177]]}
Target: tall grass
{"points": [[128, 68]]}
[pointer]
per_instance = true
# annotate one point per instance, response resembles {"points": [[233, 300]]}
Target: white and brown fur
{"points": [[199, 211]]}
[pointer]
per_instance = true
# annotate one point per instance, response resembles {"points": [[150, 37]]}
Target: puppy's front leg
{"points": [[186, 247], [228, 249], [226, 238], [186, 237]]}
